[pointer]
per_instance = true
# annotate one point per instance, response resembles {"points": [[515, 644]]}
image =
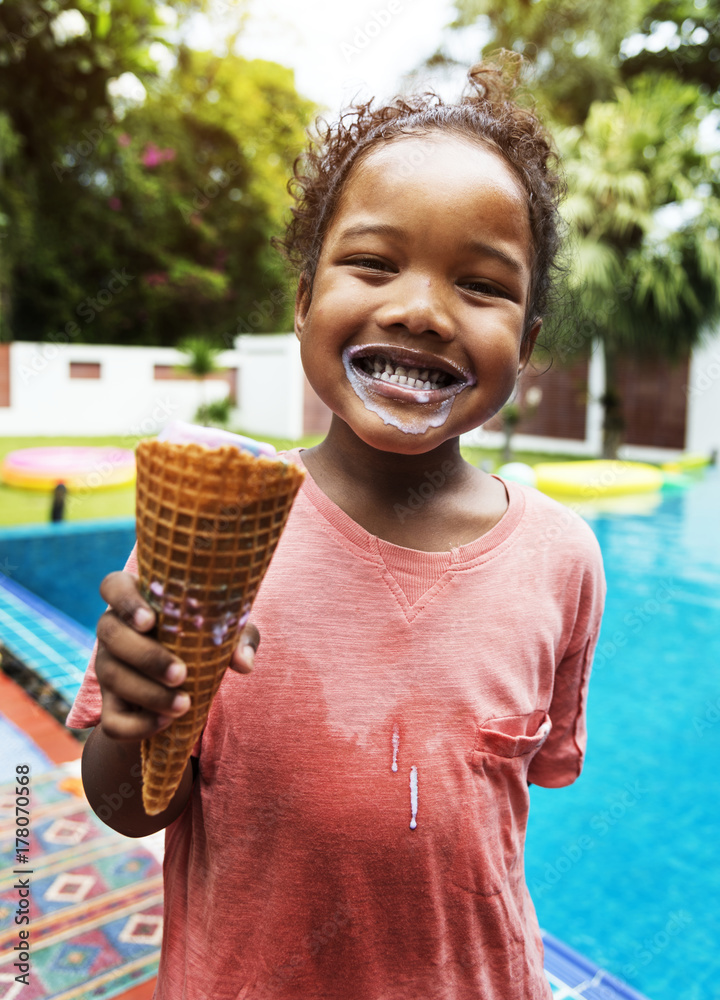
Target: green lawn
{"points": [[33, 506]]}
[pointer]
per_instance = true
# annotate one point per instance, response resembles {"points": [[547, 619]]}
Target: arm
{"points": [[139, 681], [111, 773]]}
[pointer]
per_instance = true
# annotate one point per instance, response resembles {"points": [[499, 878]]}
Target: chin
{"points": [[397, 442]]}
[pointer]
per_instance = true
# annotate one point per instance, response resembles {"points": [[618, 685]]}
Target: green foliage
{"points": [[179, 195], [649, 288], [201, 357], [216, 414], [202, 171], [579, 51]]}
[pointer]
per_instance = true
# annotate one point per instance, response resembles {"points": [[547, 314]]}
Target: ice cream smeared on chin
{"points": [[403, 391], [179, 432]]}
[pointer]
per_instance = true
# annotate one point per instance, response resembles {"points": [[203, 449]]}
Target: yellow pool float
{"points": [[690, 461], [597, 478]]}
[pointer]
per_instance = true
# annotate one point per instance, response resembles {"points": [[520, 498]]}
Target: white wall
{"points": [[271, 385], [125, 400], [703, 394]]}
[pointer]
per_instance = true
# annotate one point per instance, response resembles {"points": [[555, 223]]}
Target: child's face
{"points": [[425, 268]]}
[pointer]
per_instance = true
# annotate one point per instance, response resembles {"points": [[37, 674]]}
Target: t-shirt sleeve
{"points": [[560, 759], [87, 707]]}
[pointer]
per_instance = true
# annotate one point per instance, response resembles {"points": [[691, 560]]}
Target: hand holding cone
{"points": [[208, 522]]}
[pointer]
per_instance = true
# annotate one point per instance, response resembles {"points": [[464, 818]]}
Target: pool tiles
{"points": [[50, 644], [574, 977]]}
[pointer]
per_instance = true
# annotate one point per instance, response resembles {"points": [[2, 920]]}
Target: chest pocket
{"points": [[489, 847]]}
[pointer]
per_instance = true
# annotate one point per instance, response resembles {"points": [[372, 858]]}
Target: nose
{"points": [[418, 304]]}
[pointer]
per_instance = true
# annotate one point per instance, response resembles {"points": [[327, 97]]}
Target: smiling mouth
{"points": [[408, 374]]}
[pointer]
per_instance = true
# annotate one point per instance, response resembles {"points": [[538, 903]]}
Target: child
{"points": [[353, 823]]}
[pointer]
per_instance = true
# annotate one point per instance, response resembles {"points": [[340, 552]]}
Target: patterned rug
{"points": [[95, 898]]}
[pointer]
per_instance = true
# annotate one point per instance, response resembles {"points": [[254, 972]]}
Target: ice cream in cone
{"points": [[210, 510]]}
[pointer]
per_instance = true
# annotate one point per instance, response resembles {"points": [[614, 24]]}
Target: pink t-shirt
{"points": [[356, 829]]}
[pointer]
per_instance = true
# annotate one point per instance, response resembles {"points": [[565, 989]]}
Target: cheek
{"points": [[498, 354], [320, 365]]}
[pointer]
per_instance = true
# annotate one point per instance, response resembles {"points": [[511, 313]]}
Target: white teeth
{"points": [[416, 378]]}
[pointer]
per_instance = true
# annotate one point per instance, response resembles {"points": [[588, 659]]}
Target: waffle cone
{"points": [[208, 522]]}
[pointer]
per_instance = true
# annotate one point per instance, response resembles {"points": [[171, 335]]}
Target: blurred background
{"points": [[145, 150], [144, 155]]}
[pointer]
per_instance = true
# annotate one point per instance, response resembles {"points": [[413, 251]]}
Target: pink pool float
{"points": [[78, 467]]}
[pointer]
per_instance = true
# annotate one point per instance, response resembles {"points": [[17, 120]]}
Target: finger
{"points": [[243, 658], [122, 721], [145, 655], [121, 590], [137, 690]]}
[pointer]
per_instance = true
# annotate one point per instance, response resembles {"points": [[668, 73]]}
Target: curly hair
{"points": [[485, 113]]}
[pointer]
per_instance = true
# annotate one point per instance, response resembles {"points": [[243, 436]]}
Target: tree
{"points": [[196, 191], [579, 51], [147, 222], [57, 59], [647, 289], [571, 45]]}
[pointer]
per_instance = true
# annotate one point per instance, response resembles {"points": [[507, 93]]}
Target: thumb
{"points": [[244, 656]]}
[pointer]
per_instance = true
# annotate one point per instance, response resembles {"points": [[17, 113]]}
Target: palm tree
{"points": [[646, 258], [201, 361]]}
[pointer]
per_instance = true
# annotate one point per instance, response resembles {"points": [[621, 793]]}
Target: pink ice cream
{"points": [[178, 432]]}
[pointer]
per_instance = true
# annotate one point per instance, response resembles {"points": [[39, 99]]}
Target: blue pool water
{"points": [[64, 563], [625, 865]]}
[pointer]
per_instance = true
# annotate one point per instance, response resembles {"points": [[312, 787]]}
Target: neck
{"points": [[344, 458], [433, 501]]}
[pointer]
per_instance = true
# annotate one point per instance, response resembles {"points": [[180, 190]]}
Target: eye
{"points": [[485, 288], [370, 263]]}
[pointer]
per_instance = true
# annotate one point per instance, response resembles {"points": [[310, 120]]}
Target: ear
{"points": [[528, 344], [303, 297]]}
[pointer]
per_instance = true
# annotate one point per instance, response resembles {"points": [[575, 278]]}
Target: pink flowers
{"points": [[153, 156], [115, 204], [156, 278]]}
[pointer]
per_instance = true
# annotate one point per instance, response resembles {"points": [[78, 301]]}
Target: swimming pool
{"points": [[624, 865]]}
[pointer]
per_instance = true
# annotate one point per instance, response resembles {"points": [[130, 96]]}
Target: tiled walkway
{"points": [[31, 735]]}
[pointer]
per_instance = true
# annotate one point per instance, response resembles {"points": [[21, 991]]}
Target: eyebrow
{"points": [[371, 229]]}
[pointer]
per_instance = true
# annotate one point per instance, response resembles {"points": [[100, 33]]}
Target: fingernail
{"points": [[248, 653], [143, 617], [181, 702], [176, 673]]}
